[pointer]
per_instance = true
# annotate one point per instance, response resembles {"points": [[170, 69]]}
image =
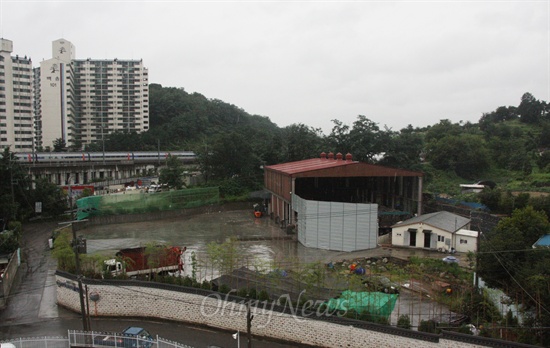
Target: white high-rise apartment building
{"points": [[81, 100], [16, 100]]}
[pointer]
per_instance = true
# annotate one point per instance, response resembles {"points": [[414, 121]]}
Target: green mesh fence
{"points": [[374, 303], [139, 203]]}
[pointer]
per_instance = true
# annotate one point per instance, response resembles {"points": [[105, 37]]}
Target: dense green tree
{"points": [[500, 115], [465, 155], [443, 129], [530, 109], [544, 137], [15, 188], [367, 140], [508, 261], [166, 103], [339, 138], [543, 161], [59, 145], [228, 156], [302, 142], [404, 149], [10, 241], [54, 200], [172, 174]]}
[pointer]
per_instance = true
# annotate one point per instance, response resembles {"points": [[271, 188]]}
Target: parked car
{"points": [[131, 337], [450, 259]]}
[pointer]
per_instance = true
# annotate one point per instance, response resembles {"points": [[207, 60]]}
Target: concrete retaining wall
{"points": [[175, 303], [8, 277]]}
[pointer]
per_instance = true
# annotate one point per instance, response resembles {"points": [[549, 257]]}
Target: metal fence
{"points": [[40, 342], [93, 339], [116, 340]]}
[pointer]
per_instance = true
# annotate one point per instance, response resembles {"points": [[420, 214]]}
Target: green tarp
{"points": [[139, 203], [374, 303]]}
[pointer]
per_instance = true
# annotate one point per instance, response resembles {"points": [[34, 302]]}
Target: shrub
{"points": [[206, 285], [263, 296], [242, 292], [252, 293], [429, 326], [224, 289], [404, 322], [187, 282]]}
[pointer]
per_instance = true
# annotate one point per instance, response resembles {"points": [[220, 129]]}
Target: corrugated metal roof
{"points": [[349, 167], [309, 165], [442, 220]]}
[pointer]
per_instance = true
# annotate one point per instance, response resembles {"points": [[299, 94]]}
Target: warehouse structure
{"points": [[335, 202]]}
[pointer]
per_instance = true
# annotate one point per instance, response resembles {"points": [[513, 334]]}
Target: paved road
{"points": [[32, 310]]}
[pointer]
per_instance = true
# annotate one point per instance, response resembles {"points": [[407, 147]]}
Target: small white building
{"points": [[443, 231]]}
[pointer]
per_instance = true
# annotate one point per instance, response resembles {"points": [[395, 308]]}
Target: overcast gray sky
{"points": [[397, 63]]}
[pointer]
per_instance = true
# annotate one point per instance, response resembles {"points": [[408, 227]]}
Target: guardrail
{"points": [[90, 339], [86, 339], [40, 342]]}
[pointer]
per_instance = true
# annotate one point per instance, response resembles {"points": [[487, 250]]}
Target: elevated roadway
{"points": [[87, 169]]}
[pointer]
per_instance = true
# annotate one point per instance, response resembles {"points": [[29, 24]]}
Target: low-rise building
{"points": [[443, 231]]}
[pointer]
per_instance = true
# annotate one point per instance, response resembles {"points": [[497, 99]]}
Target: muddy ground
{"points": [[262, 245]]}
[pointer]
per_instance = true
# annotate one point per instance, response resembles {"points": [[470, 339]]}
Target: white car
{"points": [[450, 259]]}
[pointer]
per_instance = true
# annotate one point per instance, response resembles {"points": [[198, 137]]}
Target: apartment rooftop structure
{"points": [[16, 99], [82, 100]]}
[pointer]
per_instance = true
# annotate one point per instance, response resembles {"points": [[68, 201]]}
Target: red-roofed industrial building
{"points": [[335, 203]]}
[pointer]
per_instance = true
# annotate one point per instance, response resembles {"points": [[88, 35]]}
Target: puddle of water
{"points": [[261, 247], [261, 242]]}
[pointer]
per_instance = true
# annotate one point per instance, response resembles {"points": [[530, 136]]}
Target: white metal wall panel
{"points": [[323, 224], [300, 207], [367, 226], [349, 226], [335, 225]]}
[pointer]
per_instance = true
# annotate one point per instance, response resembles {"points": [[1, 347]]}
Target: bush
{"points": [[224, 289], [242, 292], [263, 296], [187, 282], [252, 293], [429, 326], [404, 322], [206, 285]]}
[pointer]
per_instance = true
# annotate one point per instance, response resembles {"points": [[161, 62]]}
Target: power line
{"points": [[496, 255]]}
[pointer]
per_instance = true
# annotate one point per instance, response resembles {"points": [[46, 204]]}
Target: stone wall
{"points": [[115, 298]]}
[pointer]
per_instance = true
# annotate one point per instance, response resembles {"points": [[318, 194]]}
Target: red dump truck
{"points": [[147, 260]]}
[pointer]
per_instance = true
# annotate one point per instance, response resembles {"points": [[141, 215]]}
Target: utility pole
{"points": [[76, 245], [476, 279], [249, 318], [12, 190]]}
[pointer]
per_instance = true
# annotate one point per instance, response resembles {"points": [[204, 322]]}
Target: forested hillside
{"points": [[508, 145]]}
